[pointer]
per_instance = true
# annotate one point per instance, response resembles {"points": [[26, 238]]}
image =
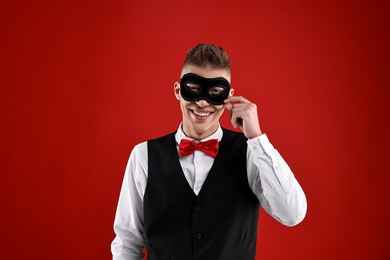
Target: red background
{"points": [[83, 81]]}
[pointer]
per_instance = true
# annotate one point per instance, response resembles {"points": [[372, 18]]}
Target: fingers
{"points": [[229, 107], [236, 121], [244, 110], [238, 99], [238, 110], [237, 114], [243, 115]]}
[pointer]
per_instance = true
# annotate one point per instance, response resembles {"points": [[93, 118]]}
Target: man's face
{"points": [[200, 118]]}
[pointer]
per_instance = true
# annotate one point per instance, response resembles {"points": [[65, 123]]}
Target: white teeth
{"points": [[201, 114]]}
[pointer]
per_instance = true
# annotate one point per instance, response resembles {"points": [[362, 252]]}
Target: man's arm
{"points": [[269, 176], [128, 224], [273, 182]]}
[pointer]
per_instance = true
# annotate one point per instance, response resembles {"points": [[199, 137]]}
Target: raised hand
{"points": [[243, 114]]}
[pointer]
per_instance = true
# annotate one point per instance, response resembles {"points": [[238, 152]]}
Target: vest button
{"points": [[198, 208], [199, 236]]}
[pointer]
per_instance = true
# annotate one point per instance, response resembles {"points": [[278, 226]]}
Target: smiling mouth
{"points": [[201, 114]]}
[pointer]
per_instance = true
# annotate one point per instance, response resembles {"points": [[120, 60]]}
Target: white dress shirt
{"points": [[269, 177]]}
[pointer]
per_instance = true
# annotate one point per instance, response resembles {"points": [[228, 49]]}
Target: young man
{"points": [[195, 193]]}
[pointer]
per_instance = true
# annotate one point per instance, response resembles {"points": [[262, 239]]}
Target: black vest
{"points": [[220, 223]]}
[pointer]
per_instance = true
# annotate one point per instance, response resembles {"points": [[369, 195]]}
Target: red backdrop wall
{"points": [[83, 81]]}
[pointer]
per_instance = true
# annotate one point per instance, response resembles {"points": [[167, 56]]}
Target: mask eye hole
{"points": [[216, 91], [193, 87]]}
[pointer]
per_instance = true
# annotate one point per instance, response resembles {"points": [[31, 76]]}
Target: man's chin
{"points": [[202, 129]]}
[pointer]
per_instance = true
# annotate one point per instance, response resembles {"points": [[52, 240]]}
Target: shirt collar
{"points": [[181, 135]]}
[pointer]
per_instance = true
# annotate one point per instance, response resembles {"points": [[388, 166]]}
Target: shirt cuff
{"points": [[261, 144]]}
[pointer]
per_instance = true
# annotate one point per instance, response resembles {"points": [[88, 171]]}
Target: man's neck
{"points": [[199, 135]]}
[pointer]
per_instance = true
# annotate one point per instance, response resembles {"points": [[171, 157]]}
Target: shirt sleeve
{"points": [[273, 182], [128, 224]]}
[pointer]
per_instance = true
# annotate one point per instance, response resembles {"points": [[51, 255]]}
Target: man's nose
{"points": [[202, 103]]}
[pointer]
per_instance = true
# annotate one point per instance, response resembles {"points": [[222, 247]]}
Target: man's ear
{"points": [[231, 92], [176, 90]]}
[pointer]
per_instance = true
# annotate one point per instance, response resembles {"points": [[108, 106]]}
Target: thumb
{"points": [[229, 106]]}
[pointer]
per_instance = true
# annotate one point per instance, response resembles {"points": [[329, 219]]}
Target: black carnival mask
{"points": [[194, 87]]}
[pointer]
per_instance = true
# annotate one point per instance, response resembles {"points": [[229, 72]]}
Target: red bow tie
{"points": [[209, 147]]}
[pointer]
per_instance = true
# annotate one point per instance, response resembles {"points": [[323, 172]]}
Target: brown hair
{"points": [[208, 55]]}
